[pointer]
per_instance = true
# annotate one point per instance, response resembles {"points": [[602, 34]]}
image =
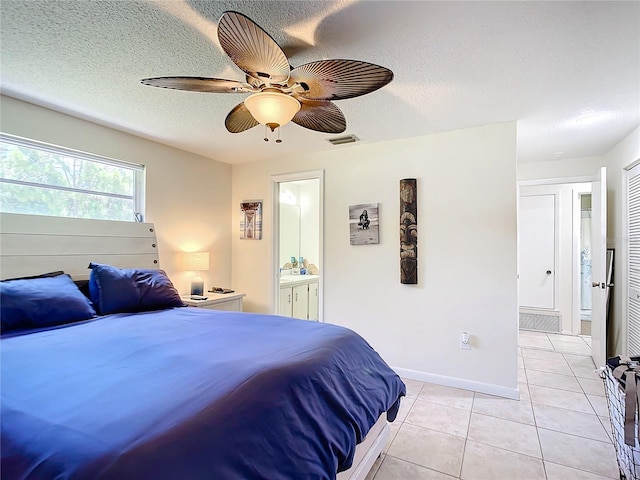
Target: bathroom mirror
{"points": [[289, 232], [299, 221]]}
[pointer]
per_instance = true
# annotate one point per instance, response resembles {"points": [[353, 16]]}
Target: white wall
{"points": [[187, 196], [571, 167], [621, 157], [466, 248]]}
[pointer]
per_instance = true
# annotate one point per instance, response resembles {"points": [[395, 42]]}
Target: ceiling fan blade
{"points": [[198, 84], [339, 79], [239, 119], [321, 116], [252, 49]]}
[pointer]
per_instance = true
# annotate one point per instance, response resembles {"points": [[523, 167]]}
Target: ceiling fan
{"points": [[280, 93]]}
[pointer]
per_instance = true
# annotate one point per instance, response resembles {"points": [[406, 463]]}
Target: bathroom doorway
{"points": [[585, 263], [298, 246]]}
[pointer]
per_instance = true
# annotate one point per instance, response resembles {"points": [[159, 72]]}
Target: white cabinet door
{"points": [[313, 301], [286, 302], [301, 301]]}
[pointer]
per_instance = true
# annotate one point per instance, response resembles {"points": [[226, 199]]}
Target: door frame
{"points": [[577, 295], [276, 180]]}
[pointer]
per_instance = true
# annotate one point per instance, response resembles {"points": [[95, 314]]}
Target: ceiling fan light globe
{"points": [[269, 108]]}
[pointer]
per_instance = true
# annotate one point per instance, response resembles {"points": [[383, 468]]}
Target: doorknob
{"points": [[548, 272], [597, 284]]}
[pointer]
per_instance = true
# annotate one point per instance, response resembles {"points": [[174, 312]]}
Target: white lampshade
{"points": [[194, 261], [273, 109]]}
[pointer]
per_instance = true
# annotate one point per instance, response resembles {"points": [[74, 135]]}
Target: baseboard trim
{"points": [[488, 388]]}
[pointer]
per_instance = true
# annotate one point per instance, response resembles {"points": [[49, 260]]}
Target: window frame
{"points": [[139, 172]]}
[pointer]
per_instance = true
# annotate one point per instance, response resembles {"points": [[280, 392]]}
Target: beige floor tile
{"points": [[482, 462], [531, 334], [454, 421], [505, 434], [579, 360], [560, 398], [584, 372], [546, 365], [577, 348], [396, 469], [542, 354], [524, 391], [405, 406], [514, 410], [606, 424], [393, 431], [530, 342], [592, 386], [579, 453], [560, 472], [413, 387], [453, 397], [576, 340], [522, 375], [435, 450], [581, 366], [599, 404], [586, 340], [553, 380], [568, 421]]}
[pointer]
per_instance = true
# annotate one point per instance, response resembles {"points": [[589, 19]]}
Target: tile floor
{"points": [[558, 430]]}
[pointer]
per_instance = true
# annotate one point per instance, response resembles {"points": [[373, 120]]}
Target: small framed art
{"points": [[251, 220], [364, 227]]}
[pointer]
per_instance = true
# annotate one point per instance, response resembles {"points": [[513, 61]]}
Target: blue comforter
{"points": [[189, 393]]}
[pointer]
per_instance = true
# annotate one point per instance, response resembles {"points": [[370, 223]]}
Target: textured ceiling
{"points": [[568, 72]]}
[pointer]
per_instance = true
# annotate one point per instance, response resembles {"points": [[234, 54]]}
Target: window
{"points": [[41, 179]]}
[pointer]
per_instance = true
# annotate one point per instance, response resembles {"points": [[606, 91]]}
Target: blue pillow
{"points": [[42, 302], [117, 290]]}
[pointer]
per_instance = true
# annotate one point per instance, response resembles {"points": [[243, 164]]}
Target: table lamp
{"points": [[193, 262]]}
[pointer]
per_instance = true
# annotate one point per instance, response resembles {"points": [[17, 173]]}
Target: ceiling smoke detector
{"points": [[343, 140]]}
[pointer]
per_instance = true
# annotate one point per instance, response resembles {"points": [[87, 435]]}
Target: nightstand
{"points": [[231, 302]]}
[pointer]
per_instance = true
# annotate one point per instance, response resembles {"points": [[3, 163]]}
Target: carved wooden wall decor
{"points": [[408, 231]]}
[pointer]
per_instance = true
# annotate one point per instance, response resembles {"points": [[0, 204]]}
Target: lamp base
{"points": [[197, 287]]}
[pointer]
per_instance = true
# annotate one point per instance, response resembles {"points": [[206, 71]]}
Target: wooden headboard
{"points": [[34, 244]]}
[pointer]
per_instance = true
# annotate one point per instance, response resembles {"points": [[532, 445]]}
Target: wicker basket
{"points": [[628, 457]]}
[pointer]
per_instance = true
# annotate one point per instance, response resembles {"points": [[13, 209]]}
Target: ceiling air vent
{"points": [[343, 140]]}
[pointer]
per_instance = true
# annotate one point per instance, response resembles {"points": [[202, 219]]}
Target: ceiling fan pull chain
{"points": [[266, 133], [278, 139]]}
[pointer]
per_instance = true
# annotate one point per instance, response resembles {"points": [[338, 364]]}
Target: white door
{"points": [[537, 237], [598, 267]]}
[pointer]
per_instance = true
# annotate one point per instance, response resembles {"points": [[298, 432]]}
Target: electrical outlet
{"points": [[464, 341]]}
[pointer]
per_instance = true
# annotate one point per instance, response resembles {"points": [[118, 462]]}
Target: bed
{"points": [[167, 391]]}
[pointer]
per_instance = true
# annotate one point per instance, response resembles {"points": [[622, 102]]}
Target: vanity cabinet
{"points": [[299, 297]]}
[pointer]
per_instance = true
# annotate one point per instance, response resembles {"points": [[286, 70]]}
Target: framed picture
{"points": [[251, 220], [364, 226]]}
